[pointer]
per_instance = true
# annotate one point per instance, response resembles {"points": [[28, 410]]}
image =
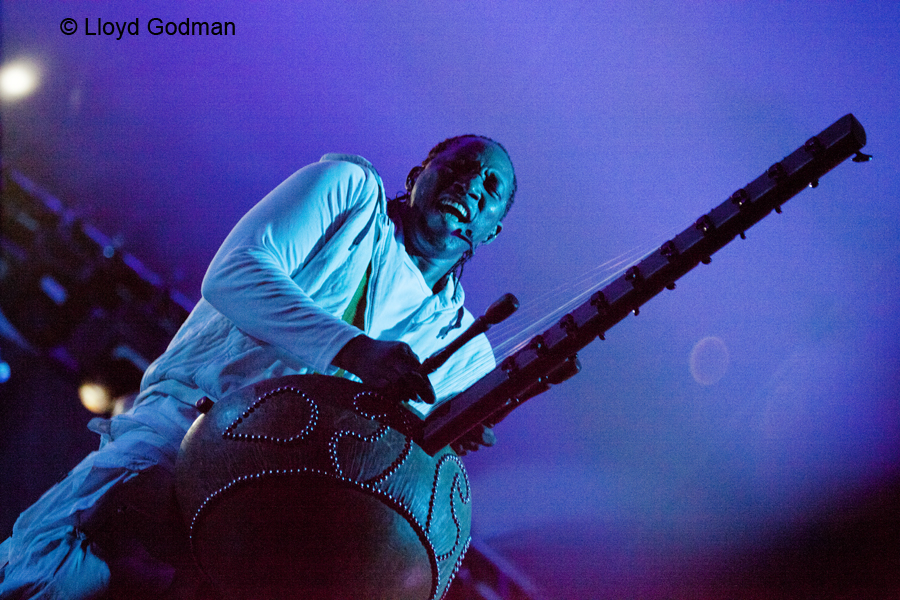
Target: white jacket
{"points": [[275, 292]]}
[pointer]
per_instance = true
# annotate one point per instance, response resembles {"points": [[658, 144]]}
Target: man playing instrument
{"points": [[323, 275]]}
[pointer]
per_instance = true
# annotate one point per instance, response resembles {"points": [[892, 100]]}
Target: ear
{"points": [[411, 178], [496, 232]]}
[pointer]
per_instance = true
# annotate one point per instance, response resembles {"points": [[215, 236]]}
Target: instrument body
{"points": [[312, 482]]}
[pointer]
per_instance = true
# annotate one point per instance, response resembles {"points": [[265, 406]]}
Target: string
{"points": [[508, 336], [534, 317]]}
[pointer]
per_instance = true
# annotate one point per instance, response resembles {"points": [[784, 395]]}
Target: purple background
{"points": [[625, 122]]}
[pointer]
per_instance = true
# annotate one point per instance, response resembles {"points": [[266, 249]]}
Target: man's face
{"points": [[459, 198]]}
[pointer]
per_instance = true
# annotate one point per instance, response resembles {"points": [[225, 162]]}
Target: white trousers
{"points": [[102, 524]]}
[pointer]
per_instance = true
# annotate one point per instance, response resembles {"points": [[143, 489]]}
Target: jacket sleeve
{"points": [[250, 278]]}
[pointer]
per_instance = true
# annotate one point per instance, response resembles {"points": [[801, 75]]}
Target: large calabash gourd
{"points": [[309, 486]]}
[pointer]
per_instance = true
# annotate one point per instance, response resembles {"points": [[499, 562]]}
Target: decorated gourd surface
{"points": [[309, 486]]}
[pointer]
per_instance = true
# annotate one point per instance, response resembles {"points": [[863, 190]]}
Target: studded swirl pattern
{"points": [[313, 418], [394, 466], [377, 398], [338, 435], [456, 489], [382, 430], [457, 565]]}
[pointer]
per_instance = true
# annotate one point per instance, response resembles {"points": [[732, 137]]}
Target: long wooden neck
{"points": [[551, 358]]}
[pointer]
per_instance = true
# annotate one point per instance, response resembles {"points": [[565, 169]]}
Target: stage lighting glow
{"points": [[709, 360], [5, 371], [17, 80], [96, 398]]}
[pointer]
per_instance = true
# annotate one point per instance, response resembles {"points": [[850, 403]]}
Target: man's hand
{"points": [[474, 440], [385, 365]]}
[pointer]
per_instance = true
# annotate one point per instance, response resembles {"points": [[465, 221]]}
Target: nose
{"points": [[473, 187]]}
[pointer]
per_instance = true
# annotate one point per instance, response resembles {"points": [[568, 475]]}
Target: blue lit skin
{"points": [[456, 204]]}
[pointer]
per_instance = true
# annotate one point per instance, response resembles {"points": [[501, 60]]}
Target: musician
{"points": [[323, 275]]}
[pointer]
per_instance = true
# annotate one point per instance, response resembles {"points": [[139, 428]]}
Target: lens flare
{"points": [[709, 360]]}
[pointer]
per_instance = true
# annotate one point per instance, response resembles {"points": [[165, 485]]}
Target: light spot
{"points": [[96, 398], [709, 360], [17, 80]]}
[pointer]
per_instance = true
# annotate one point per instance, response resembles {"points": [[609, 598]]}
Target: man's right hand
{"points": [[385, 365]]}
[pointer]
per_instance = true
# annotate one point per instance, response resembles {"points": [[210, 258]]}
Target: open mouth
{"points": [[456, 208]]}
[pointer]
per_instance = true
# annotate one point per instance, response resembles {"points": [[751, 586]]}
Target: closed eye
{"points": [[492, 184]]}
